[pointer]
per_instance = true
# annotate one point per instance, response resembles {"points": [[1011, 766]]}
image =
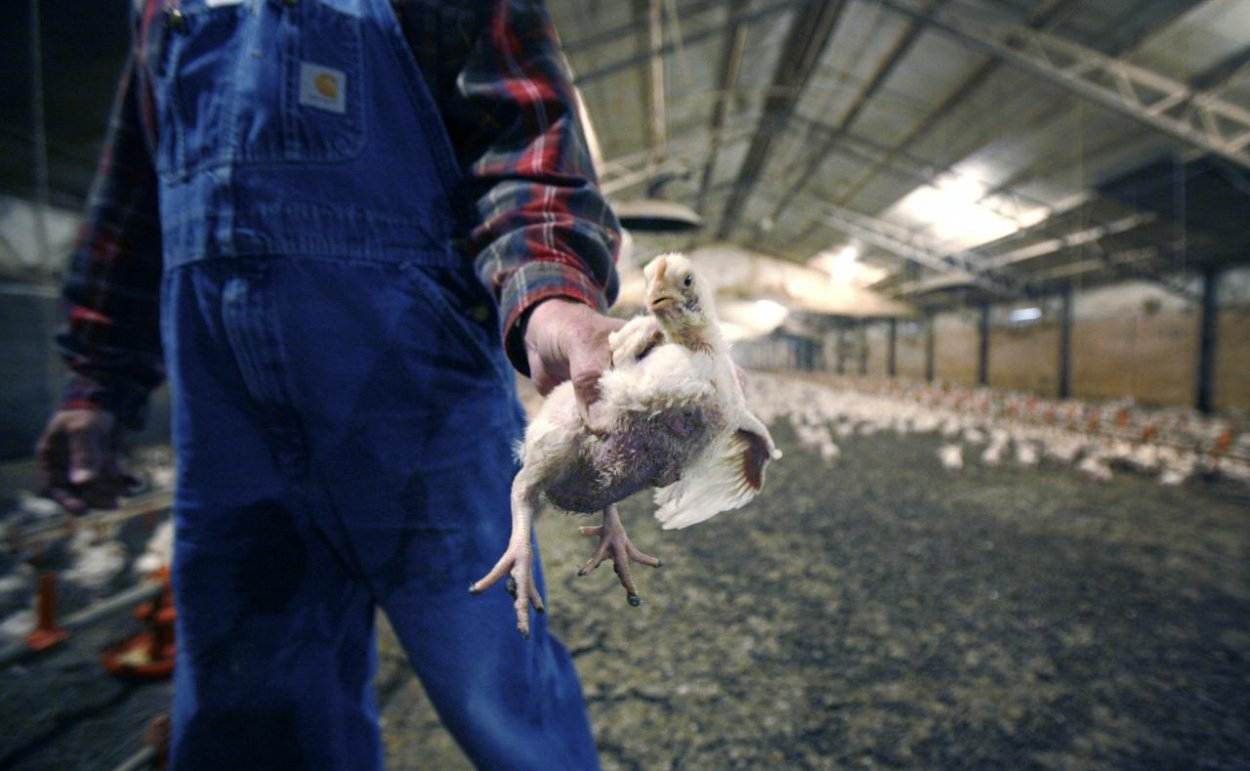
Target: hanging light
{"points": [[657, 215]]}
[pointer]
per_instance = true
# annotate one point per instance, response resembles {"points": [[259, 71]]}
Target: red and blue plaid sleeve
{"points": [[539, 226], [111, 338]]}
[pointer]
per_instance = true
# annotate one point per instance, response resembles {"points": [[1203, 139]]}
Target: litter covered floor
{"points": [[869, 609]]}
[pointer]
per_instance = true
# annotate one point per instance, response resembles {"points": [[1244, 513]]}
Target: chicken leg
{"points": [[518, 559], [615, 544]]}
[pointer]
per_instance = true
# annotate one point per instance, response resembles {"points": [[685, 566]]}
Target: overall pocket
{"points": [[258, 83], [479, 344]]}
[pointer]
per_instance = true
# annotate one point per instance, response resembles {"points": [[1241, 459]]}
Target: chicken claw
{"points": [[517, 564], [517, 561], [614, 543]]}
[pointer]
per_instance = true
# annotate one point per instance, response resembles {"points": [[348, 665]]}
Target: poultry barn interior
{"points": [[986, 265]]}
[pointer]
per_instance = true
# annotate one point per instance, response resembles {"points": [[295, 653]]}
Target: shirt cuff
{"points": [[530, 285], [127, 403]]}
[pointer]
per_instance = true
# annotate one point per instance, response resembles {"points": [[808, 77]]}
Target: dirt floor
{"points": [[889, 613], [884, 612]]}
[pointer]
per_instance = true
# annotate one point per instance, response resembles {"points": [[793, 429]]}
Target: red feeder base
{"points": [[133, 658], [149, 655], [46, 632]]}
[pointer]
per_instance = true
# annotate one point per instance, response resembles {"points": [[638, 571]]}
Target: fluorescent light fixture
{"points": [[960, 210], [843, 266], [746, 319], [1025, 315], [769, 313]]}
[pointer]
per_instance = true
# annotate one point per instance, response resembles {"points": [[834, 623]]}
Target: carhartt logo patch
{"points": [[322, 87]]}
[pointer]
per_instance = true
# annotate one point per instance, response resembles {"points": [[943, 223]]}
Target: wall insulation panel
{"points": [[1023, 358], [1151, 358], [956, 348], [877, 338], [1232, 360], [909, 354]]}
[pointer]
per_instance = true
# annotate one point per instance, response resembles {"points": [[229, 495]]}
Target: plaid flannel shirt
{"points": [[541, 229]]}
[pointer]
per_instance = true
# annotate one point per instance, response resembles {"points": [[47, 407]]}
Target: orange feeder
{"points": [[46, 633], [148, 655]]}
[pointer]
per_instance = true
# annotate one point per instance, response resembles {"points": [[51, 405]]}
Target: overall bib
{"points": [[343, 412]]}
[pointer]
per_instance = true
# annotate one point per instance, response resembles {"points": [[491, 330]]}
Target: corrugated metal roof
{"points": [[966, 146], [913, 117]]}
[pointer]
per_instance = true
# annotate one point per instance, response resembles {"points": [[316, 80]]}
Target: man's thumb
{"points": [[85, 456]]}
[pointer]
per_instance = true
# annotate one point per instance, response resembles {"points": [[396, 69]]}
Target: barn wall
{"points": [[1025, 358], [956, 349], [910, 354], [1232, 359], [877, 338], [1151, 358]]}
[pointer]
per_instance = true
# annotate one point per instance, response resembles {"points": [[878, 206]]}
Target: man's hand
{"points": [[77, 460], [567, 340]]}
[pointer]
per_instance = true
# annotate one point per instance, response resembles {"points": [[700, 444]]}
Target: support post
{"points": [[983, 351], [1065, 342], [929, 344], [862, 332], [1208, 324], [892, 347], [841, 368]]}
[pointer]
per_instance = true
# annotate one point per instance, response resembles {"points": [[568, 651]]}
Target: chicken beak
{"points": [[656, 296]]}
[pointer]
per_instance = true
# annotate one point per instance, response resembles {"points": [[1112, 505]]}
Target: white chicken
{"points": [[671, 416], [951, 455]]}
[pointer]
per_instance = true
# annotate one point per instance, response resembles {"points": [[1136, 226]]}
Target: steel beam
{"points": [[902, 45], [1046, 11], [1041, 249], [656, 100], [732, 50], [902, 164], [614, 34], [960, 267], [633, 60], [810, 31], [1198, 118], [626, 171]]}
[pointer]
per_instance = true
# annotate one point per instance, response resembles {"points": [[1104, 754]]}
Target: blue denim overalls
{"points": [[343, 412]]}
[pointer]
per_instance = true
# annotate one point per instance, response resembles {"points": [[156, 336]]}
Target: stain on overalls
{"points": [[343, 426]]}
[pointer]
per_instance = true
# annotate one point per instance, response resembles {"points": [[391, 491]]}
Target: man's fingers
{"points": [[50, 461], [586, 386], [86, 455], [567, 340], [77, 463], [68, 500]]}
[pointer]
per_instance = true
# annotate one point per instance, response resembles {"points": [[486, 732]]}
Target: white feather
{"points": [[713, 483], [668, 377]]}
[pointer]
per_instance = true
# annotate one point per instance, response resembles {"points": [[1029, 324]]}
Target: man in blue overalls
{"points": [[341, 220]]}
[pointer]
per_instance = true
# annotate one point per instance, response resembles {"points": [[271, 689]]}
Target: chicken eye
{"points": [[689, 279]]}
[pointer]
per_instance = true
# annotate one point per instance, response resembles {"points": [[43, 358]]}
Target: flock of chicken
{"points": [[677, 421], [89, 562], [994, 427]]}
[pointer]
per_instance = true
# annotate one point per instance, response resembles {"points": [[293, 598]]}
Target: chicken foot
{"points": [[614, 544], [517, 561]]}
